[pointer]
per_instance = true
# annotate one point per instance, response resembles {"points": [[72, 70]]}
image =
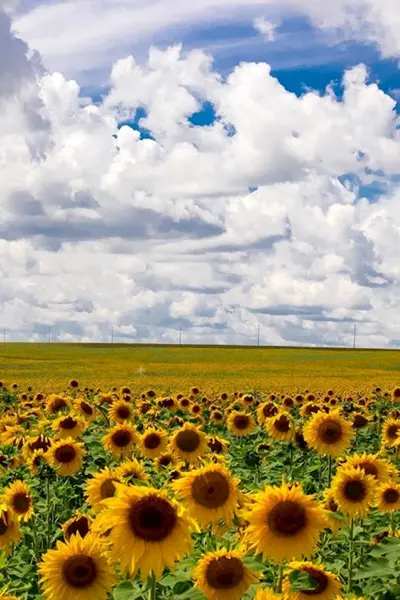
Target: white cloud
{"points": [[265, 28], [99, 226], [94, 34]]}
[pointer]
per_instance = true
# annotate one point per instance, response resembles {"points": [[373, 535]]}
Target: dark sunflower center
{"points": [[241, 421], [287, 518], [332, 505], [217, 415], [330, 432], [355, 490], [152, 518], [65, 454], [121, 438], [152, 441], [311, 409], [210, 490], [3, 526], [145, 407], [359, 421], [107, 489], [188, 440], [396, 392], [123, 412], [369, 468], [392, 431], [185, 402], [79, 571], [321, 580], [21, 503], [68, 423], [391, 496], [79, 525], [57, 405], [224, 573], [86, 408], [282, 424], [215, 446], [165, 461], [42, 443]]}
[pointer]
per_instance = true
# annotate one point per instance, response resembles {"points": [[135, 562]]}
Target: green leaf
{"points": [[378, 567], [300, 581], [127, 591]]}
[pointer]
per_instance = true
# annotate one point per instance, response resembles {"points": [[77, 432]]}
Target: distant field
{"points": [[176, 368]]}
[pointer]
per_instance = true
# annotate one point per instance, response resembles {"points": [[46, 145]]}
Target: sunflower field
{"points": [[130, 495]]}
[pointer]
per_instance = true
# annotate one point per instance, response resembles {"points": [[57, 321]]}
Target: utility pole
{"points": [[112, 335], [354, 336], [4, 335], [258, 335], [49, 335], [180, 335]]}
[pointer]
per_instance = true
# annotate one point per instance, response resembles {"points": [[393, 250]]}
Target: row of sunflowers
{"points": [[131, 495]]}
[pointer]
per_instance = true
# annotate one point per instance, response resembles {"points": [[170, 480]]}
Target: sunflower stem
{"points": [[351, 555], [35, 538], [279, 579], [329, 470], [152, 587], [47, 514], [392, 525]]}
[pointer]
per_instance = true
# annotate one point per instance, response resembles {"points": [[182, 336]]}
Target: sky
{"points": [[224, 171]]}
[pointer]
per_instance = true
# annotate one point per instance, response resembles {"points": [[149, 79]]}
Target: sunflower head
{"points": [[371, 464], [101, 486], [388, 497], [68, 426], [328, 434], [318, 583], [9, 530], [167, 460], [354, 491], [283, 523], [66, 456], [155, 530], [153, 442], [217, 445], [120, 411], [79, 524], [241, 423], [131, 471], [189, 443], [77, 569], [281, 427], [120, 439], [19, 499], [223, 575], [56, 404]]}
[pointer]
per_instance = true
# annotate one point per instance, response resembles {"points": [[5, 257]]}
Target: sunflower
{"points": [[84, 409], [78, 524], [74, 384], [19, 499], [266, 410], [216, 416], [120, 411], [284, 523], [218, 445], [5, 596], [131, 471], [148, 530], [210, 494], [144, 407], [184, 404], [120, 439], [328, 433], [388, 497], [68, 426], [166, 460], [371, 465], [281, 427], [222, 575], [353, 491], [100, 487], [66, 456], [35, 460], [55, 404], [36, 442], [240, 423], [153, 442], [9, 530], [310, 408], [322, 584], [76, 570], [189, 443], [391, 432]]}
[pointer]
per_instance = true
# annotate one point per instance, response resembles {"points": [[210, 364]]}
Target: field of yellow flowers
{"points": [[168, 369], [127, 494]]}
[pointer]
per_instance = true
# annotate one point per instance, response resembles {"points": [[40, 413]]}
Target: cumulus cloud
{"points": [[251, 220], [265, 28]]}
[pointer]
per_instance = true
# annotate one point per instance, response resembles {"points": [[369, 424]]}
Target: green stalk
{"points": [[351, 555], [48, 524], [329, 470], [152, 586], [35, 538], [279, 579]]}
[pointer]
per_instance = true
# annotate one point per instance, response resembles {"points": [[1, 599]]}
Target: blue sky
{"points": [[279, 212]]}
